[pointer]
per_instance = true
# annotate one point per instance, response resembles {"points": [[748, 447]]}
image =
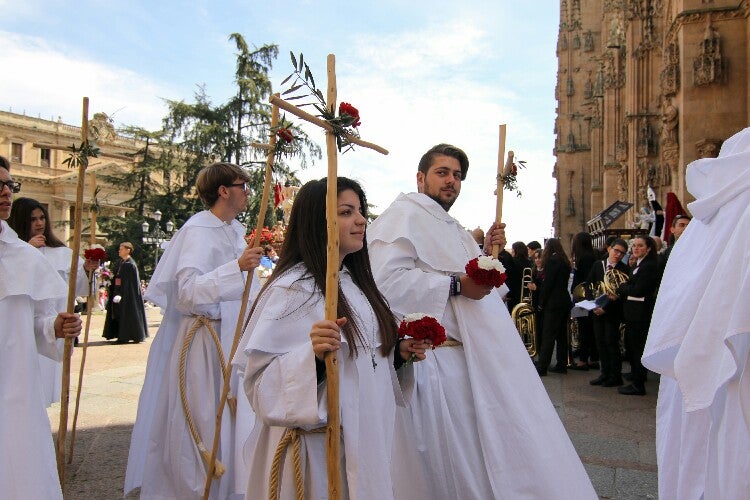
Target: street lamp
{"points": [[156, 237]]}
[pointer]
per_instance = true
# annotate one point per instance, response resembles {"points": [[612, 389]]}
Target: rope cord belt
{"points": [[200, 321], [291, 437], [450, 343]]}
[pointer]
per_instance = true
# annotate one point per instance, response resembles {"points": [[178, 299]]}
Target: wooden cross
{"points": [[333, 432], [271, 148], [503, 169], [68, 349]]}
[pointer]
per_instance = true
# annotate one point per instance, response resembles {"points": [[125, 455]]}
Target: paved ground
{"points": [[614, 434]]}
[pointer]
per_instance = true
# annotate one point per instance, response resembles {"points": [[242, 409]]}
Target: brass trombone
{"points": [[523, 315]]}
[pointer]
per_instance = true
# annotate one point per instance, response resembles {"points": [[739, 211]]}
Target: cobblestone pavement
{"points": [[614, 434]]}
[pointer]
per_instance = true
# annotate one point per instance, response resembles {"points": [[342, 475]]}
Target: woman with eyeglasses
{"points": [[31, 221]]}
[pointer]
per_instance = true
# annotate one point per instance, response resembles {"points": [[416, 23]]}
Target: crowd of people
{"points": [[417, 420]]}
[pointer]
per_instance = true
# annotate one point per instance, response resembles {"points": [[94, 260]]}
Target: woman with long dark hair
{"points": [[31, 221], [583, 254], [286, 341], [638, 296], [555, 304]]}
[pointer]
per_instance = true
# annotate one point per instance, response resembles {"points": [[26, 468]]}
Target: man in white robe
{"points": [[202, 273], [699, 338], [484, 424], [29, 289]]}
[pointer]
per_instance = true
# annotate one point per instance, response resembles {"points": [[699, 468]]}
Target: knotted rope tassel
{"points": [[291, 437], [219, 468]]}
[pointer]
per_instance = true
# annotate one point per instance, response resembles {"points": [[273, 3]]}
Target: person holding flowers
{"points": [[284, 374], [31, 221], [30, 290], [483, 421]]}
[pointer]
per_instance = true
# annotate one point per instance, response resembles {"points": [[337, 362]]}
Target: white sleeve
{"points": [[197, 292], [44, 329]]}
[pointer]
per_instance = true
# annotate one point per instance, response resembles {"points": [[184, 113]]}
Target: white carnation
{"points": [[414, 317], [489, 263]]}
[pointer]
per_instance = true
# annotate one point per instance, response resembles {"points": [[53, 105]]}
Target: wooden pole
{"points": [[68, 349], [245, 298], [89, 310], [500, 185], [333, 431]]}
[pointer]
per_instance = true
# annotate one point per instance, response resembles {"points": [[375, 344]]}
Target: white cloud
{"points": [[51, 81]]}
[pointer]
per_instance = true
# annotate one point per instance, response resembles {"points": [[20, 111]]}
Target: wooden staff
{"points": [[89, 309], [68, 349], [503, 168], [333, 429], [245, 298]]}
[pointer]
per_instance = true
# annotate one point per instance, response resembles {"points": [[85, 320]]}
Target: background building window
{"points": [[16, 152], [46, 154]]}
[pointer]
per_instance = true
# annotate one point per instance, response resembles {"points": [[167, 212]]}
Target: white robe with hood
{"points": [[197, 275], [699, 339], [51, 370], [29, 290], [281, 383], [484, 423]]}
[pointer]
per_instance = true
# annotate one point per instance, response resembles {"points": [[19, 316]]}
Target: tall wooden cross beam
{"points": [[271, 148], [504, 168], [333, 432]]}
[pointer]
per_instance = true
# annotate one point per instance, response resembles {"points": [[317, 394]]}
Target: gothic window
{"points": [[16, 152], [44, 157]]}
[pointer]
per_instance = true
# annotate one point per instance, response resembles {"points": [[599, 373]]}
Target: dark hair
{"points": [[127, 245], [554, 247], [650, 244], [4, 163], [20, 221], [305, 242], [620, 242], [678, 217], [610, 241], [581, 246], [212, 177], [444, 149], [520, 250], [534, 245]]}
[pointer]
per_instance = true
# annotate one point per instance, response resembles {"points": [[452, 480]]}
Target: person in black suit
{"points": [[638, 297], [606, 319], [555, 304], [584, 257]]}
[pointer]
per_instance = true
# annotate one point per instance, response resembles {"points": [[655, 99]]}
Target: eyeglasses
{"points": [[242, 185], [14, 186]]}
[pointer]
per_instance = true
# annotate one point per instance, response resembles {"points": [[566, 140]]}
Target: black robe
{"points": [[126, 320]]}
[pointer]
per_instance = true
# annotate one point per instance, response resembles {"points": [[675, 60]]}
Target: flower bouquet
{"points": [[95, 252], [420, 326], [266, 237], [484, 270]]}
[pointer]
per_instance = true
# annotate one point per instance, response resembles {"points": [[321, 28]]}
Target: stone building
{"points": [[644, 87], [36, 149]]}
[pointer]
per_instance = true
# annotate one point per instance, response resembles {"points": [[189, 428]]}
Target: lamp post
{"points": [[156, 237]]}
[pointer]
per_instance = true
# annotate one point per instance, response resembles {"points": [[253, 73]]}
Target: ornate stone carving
{"points": [[577, 41], [616, 36], [596, 115], [708, 148], [563, 41], [670, 122], [101, 128], [622, 182], [569, 87], [645, 144], [621, 151], [614, 70], [708, 66], [670, 75], [669, 157], [570, 205], [588, 41], [588, 88]]}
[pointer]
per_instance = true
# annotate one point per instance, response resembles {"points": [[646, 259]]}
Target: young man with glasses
{"points": [[29, 289], [201, 276], [607, 318]]}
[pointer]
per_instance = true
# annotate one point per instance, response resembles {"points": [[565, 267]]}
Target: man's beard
{"points": [[445, 204]]}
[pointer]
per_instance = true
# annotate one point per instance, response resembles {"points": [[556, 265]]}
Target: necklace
{"points": [[372, 326]]}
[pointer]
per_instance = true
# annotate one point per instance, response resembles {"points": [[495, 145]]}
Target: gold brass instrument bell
{"points": [[523, 315]]}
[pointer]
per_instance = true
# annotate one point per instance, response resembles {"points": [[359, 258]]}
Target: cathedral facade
{"points": [[644, 87]]}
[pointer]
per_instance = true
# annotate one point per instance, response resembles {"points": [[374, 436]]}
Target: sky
{"points": [[420, 73]]}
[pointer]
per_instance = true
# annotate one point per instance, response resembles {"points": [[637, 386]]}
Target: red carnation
{"points": [[422, 327], [491, 272], [353, 113], [285, 134], [95, 253], [266, 237]]}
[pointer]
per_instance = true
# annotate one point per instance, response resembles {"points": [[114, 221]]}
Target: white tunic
{"points": [[699, 336], [485, 425], [51, 370], [29, 289], [197, 275], [281, 384]]}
